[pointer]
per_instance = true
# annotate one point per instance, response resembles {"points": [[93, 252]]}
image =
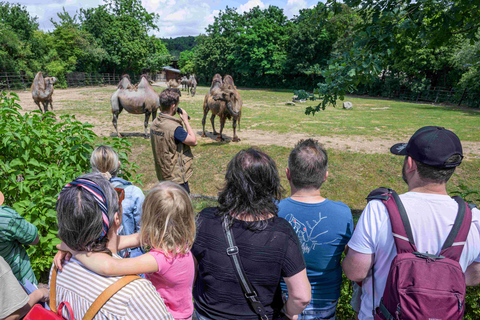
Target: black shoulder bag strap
{"points": [[250, 294]]}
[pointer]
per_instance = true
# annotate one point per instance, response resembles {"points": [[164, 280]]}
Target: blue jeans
{"points": [[316, 313]]}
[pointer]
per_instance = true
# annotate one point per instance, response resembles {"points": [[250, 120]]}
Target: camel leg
{"points": [[45, 105], [222, 124], [38, 104], [212, 120], [147, 116], [235, 138], [205, 112], [114, 121]]}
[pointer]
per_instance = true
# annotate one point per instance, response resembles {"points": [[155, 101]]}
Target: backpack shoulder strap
{"points": [[453, 246], [401, 228], [53, 290], [107, 294]]}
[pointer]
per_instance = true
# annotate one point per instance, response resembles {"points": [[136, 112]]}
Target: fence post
{"points": [[8, 83], [438, 93], [463, 95], [23, 83], [451, 92]]}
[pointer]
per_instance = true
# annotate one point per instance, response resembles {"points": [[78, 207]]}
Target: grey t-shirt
{"points": [[12, 295]]}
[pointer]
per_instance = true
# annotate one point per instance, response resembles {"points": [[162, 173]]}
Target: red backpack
{"points": [[423, 285]]}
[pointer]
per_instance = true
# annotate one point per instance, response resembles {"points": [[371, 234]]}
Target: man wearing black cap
{"points": [[431, 156]]}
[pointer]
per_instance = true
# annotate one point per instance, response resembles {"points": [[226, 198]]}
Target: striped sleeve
{"points": [[18, 228], [146, 303]]}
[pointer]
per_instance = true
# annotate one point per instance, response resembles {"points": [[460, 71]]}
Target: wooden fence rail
{"points": [[17, 80]]}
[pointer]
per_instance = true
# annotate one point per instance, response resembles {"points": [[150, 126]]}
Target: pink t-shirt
{"points": [[174, 282]]}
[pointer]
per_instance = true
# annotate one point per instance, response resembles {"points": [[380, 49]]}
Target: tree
{"points": [[18, 18], [186, 62], [158, 55], [431, 23], [121, 28], [76, 47], [248, 46]]}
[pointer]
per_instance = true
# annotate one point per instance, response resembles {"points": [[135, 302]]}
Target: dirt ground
{"points": [[103, 127]]}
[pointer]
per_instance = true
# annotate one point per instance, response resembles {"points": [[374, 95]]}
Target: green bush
{"points": [[38, 156]]}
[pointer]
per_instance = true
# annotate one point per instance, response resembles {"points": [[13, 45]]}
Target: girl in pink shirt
{"points": [[168, 227]]}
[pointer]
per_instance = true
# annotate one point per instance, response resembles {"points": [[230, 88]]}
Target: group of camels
{"points": [[188, 84], [223, 100]]}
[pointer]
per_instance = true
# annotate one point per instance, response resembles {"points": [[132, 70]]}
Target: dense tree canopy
{"points": [[113, 37]]}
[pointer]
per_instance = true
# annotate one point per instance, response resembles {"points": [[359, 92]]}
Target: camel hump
{"points": [[124, 82], [217, 79], [39, 81], [228, 79]]}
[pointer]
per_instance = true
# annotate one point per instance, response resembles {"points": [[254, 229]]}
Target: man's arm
{"points": [[191, 139], [472, 274], [356, 265], [39, 295]]}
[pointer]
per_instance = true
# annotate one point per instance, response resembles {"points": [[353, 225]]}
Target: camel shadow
{"points": [[212, 136], [129, 134]]}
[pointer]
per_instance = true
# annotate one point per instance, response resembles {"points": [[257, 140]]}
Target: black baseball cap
{"points": [[431, 146]]}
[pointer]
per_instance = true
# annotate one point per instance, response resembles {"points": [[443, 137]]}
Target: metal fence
{"points": [[18, 80]]}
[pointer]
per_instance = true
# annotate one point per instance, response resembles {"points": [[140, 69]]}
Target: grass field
{"points": [[375, 124]]}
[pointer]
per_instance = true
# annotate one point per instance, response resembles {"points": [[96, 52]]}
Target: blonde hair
{"points": [[168, 219], [105, 160]]}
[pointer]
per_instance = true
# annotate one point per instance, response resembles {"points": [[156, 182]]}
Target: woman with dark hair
{"points": [[89, 217], [268, 247]]}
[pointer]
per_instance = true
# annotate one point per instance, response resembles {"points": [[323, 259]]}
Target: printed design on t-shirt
{"points": [[308, 233]]}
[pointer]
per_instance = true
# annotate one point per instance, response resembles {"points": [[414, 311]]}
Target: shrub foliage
{"points": [[38, 156]]}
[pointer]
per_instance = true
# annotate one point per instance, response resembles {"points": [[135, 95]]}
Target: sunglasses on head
{"points": [[121, 195]]}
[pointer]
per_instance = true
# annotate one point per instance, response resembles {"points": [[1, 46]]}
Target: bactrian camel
{"points": [[173, 83], [192, 85], [42, 91], [134, 99], [223, 100]]}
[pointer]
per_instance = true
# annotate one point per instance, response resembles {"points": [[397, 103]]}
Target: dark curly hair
{"points": [[168, 97], [252, 189]]}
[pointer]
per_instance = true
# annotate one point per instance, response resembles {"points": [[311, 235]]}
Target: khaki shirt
{"points": [[173, 162]]}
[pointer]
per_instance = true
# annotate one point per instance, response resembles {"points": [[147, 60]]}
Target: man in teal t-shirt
{"points": [[15, 232], [323, 227]]}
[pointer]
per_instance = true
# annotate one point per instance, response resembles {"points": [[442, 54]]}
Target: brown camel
{"points": [[223, 100], [42, 91], [143, 99], [173, 83]]}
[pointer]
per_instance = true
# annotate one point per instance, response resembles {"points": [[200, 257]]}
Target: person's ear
{"points": [[287, 172], [326, 176], [411, 165], [117, 218]]}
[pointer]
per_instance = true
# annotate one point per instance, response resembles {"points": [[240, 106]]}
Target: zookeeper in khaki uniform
{"points": [[171, 143]]}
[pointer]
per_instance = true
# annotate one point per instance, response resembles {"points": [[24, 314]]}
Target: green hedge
{"points": [[39, 154]]}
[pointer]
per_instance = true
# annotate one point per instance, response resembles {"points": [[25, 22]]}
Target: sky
{"points": [[177, 17]]}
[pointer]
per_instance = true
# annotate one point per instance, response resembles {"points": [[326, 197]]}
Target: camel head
{"points": [[50, 81], [230, 96]]}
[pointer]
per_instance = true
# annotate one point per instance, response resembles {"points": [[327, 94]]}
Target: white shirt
{"points": [[431, 217]]}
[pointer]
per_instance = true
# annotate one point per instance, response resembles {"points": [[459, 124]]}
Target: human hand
{"points": [[184, 115], [61, 256], [43, 294]]}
